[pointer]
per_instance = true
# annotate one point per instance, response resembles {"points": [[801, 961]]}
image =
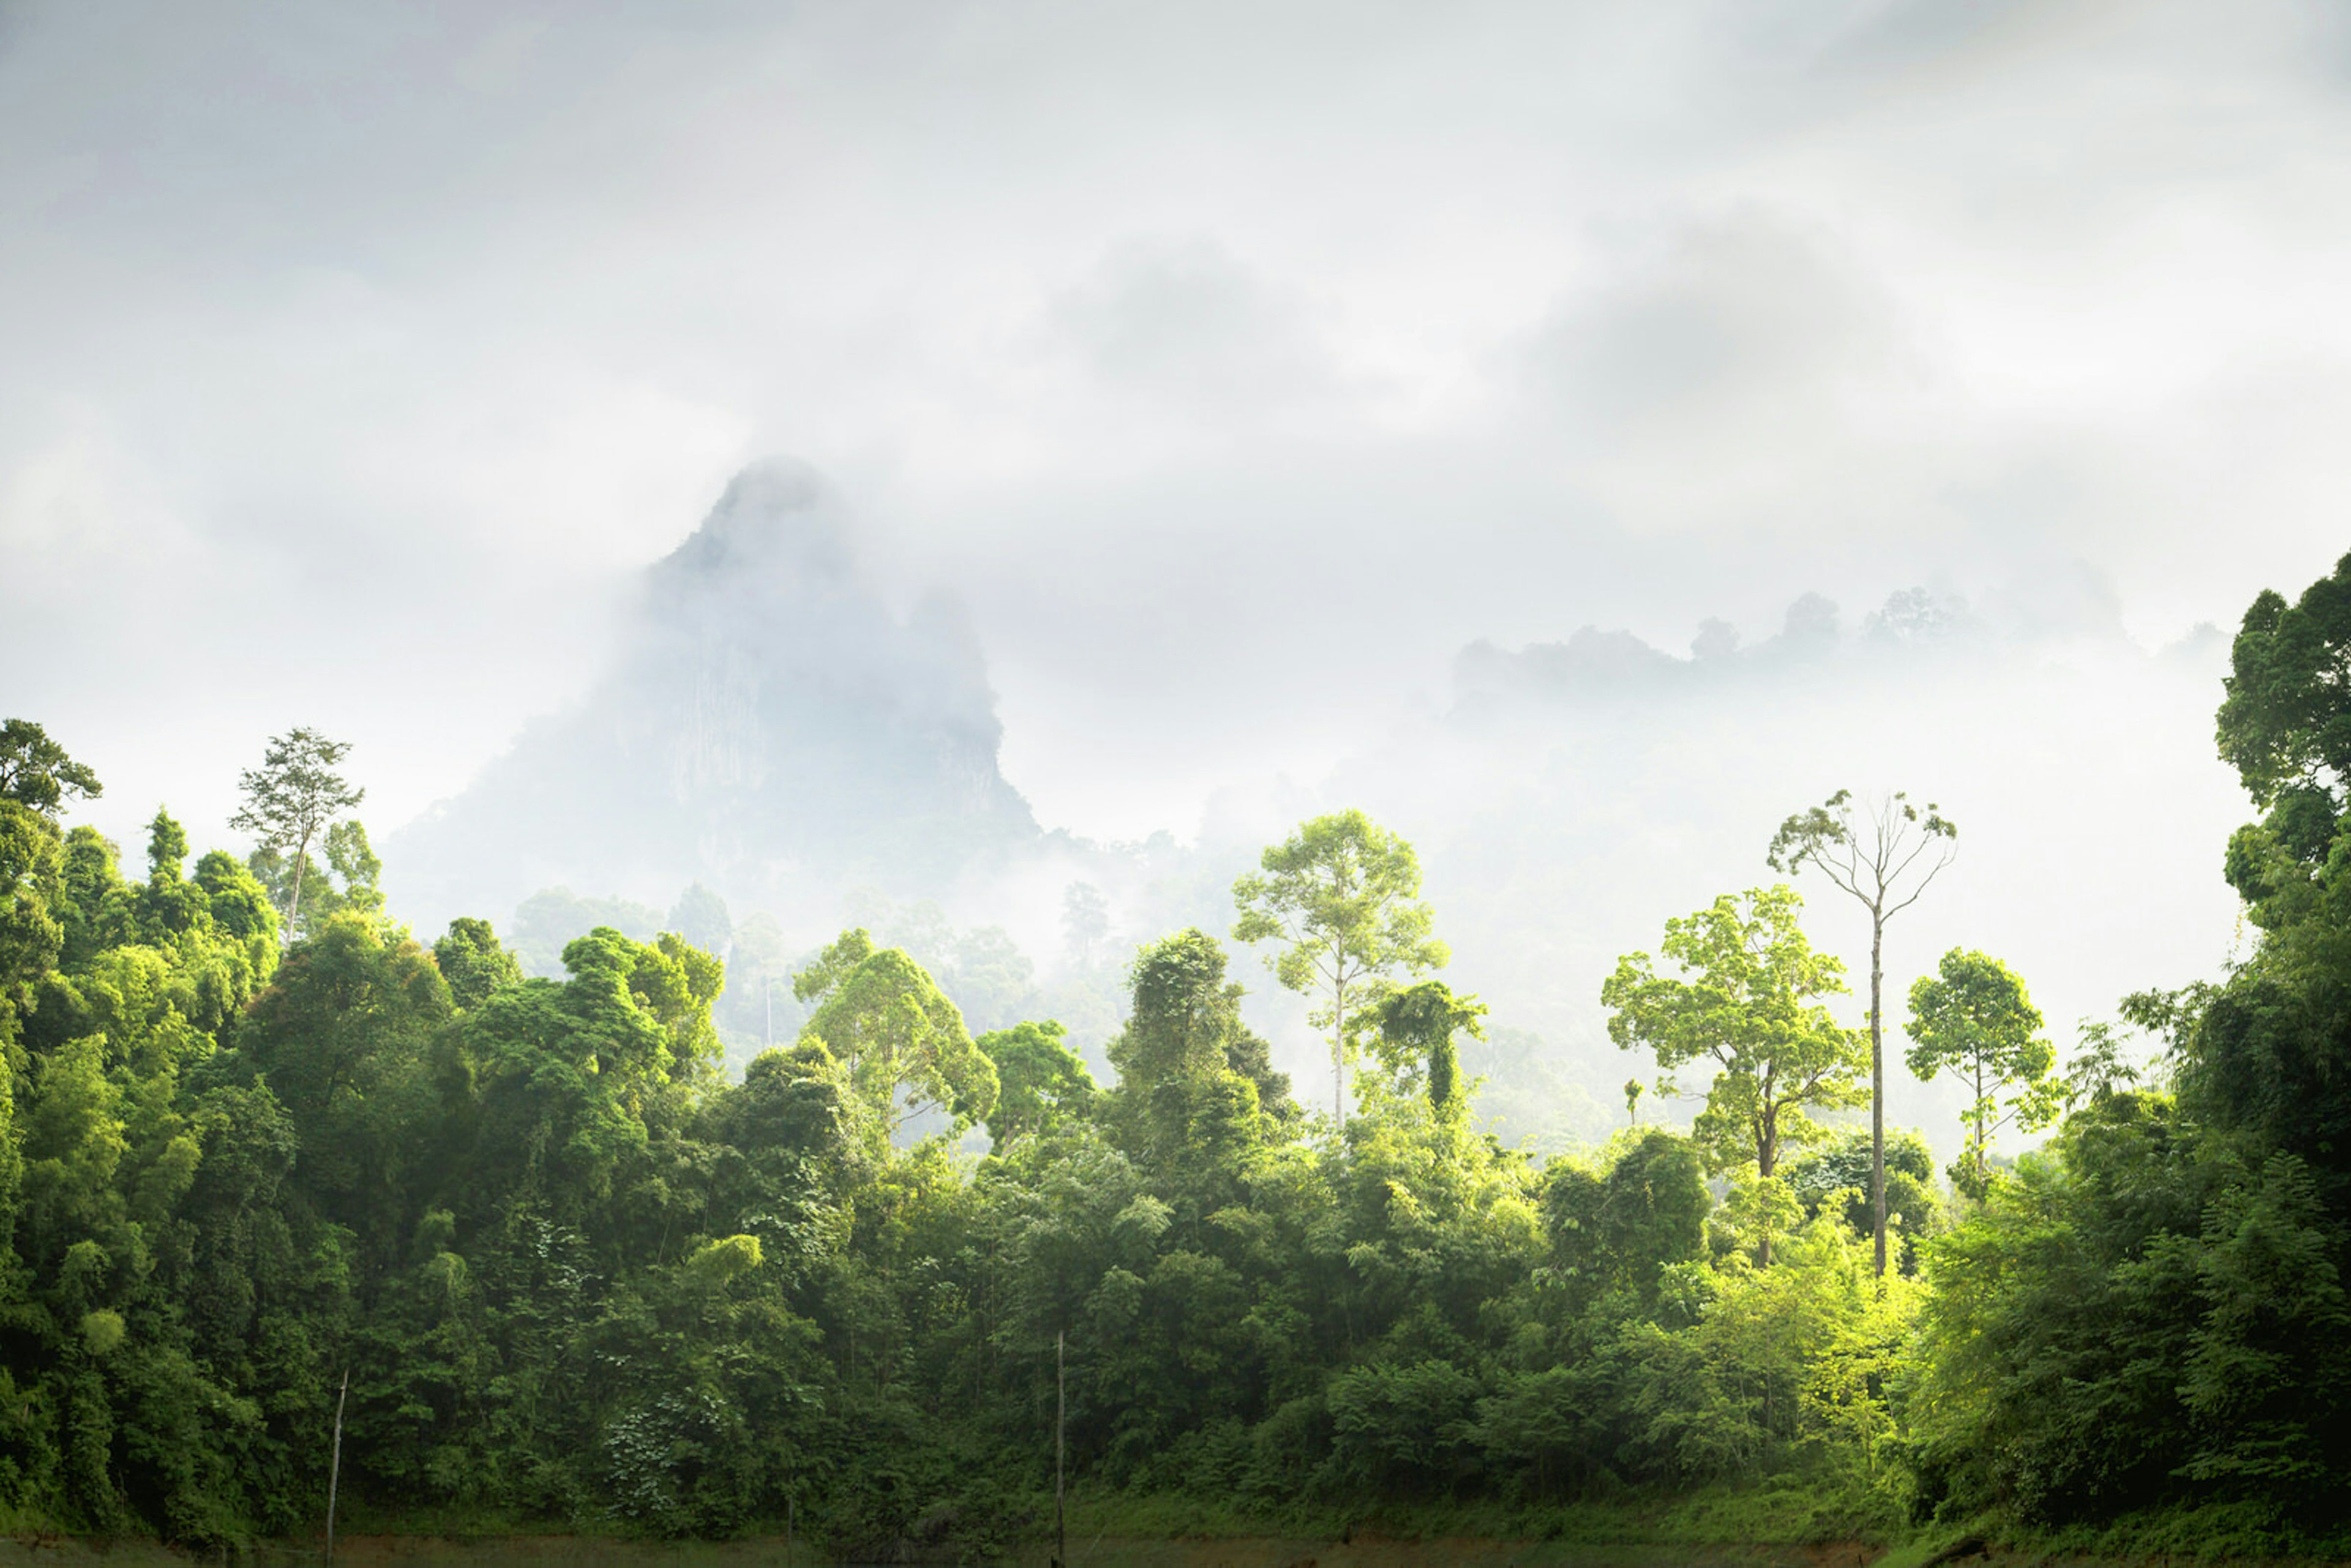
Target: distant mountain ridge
{"points": [[771, 728]]}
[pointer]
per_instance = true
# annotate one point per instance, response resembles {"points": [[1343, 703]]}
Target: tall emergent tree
{"points": [[1883, 857], [292, 797], [1974, 1017], [1749, 1003], [1344, 893]]}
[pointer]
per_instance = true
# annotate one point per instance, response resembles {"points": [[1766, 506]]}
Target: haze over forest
{"points": [[936, 775], [1578, 439]]}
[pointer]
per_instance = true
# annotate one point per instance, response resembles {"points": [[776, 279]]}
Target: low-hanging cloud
{"points": [[1236, 368]]}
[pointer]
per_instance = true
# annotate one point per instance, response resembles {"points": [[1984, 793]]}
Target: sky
{"points": [[1235, 364]]}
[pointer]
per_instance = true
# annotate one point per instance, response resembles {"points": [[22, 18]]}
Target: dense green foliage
{"points": [[1974, 1017], [577, 1273]]}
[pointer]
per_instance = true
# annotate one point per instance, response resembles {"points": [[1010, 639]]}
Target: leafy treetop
{"points": [[36, 772], [2286, 722], [904, 1043], [1344, 893], [1748, 1003], [1416, 1045], [1974, 1017], [1866, 852], [292, 797]]}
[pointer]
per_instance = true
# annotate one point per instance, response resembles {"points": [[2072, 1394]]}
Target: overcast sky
{"points": [[1236, 363]]}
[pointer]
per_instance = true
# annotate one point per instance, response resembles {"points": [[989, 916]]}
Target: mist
{"points": [[1227, 415], [769, 734]]}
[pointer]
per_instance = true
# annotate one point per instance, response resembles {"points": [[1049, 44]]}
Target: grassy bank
{"points": [[1766, 1527]]}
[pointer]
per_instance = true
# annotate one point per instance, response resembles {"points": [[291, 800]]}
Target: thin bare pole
{"points": [[335, 1465], [1060, 1423], [792, 1506]]}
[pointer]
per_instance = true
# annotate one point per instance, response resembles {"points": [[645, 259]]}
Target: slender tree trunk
{"points": [[335, 1465], [1338, 1050], [301, 864], [1877, 1083], [1979, 1137], [1060, 1427]]}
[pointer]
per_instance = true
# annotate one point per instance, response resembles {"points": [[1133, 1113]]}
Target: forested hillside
{"points": [[575, 1274]]}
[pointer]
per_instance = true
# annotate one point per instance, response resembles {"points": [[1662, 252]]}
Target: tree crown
{"points": [[1866, 849], [1344, 893], [36, 772]]}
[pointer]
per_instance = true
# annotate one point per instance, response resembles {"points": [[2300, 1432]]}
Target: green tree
{"points": [[472, 962], [1184, 1049], [346, 875], [2265, 1053], [2286, 721], [36, 778], [2099, 1067], [1624, 1227], [36, 772], [342, 1038], [578, 1093], [293, 798], [352, 859], [902, 1042], [1974, 1017], [1185, 1022], [168, 904], [1747, 1002], [1345, 895], [167, 846], [1040, 1081], [1883, 857], [32, 894], [1833, 1176], [1417, 1026]]}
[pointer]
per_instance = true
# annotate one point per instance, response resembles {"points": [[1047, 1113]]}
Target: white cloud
{"points": [[1236, 363]]}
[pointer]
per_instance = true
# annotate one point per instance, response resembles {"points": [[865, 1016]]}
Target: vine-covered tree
{"points": [[1416, 1046]]}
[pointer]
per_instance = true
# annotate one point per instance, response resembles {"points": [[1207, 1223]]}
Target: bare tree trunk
{"points": [[294, 903], [1877, 1083], [335, 1465], [1339, 1054], [1061, 1426], [1979, 1137]]}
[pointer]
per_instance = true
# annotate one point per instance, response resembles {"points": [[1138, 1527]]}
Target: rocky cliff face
{"points": [[771, 728]]}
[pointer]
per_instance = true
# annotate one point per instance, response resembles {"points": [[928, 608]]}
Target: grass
{"points": [[1783, 1524], [1794, 1512]]}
